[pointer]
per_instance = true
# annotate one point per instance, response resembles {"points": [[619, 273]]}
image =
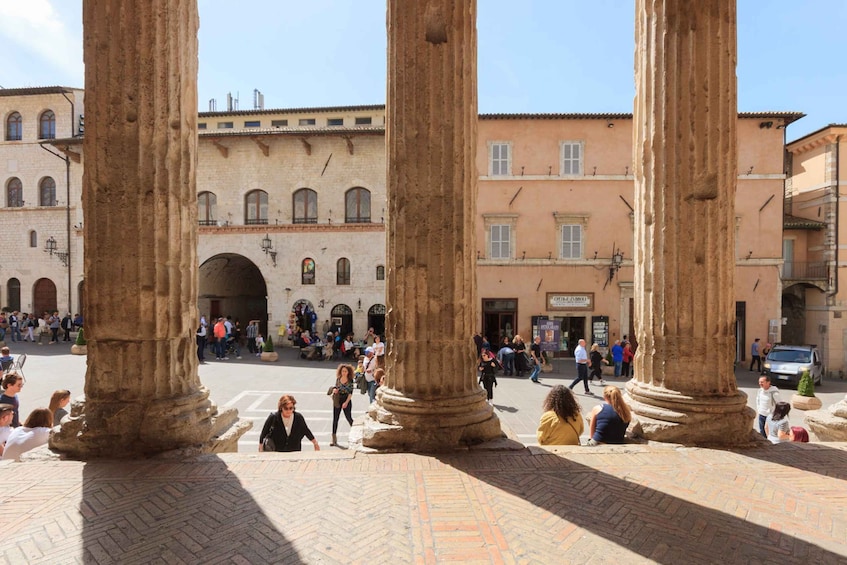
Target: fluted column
{"points": [[432, 399], [685, 156], [142, 391]]}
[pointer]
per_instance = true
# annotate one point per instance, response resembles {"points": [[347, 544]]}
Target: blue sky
{"points": [[534, 55]]}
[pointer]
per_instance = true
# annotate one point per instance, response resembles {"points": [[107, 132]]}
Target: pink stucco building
{"points": [[555, 230], [813, 245]]}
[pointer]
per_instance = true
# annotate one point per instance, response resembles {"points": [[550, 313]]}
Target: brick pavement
{"points": [[610, 504]]}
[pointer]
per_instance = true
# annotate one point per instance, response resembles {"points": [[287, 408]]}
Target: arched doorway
{"points": [[342, 316], [232, 285], [44, 297], [13, 295], [376, 319]]}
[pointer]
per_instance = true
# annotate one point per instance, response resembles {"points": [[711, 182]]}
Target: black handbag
{"points": [[268, 443]]}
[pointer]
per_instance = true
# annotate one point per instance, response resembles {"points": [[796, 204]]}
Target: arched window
{"points": [[47, 192], [308, 271], [342, 271], [380, 272], [207, 208], [33, 238], [13, 294], [256, 207], [14, 193], [357, 206], [47, 125], [14, 127], [305, 207]]}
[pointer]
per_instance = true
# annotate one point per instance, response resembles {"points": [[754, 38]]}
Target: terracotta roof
{"points": [[787, 116], [817, 132], [372, 107], [36, 90], [790, 222]]}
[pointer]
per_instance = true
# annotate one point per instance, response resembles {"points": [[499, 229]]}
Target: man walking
{"points": [[535, 352], [756, 356], [581, 356]]}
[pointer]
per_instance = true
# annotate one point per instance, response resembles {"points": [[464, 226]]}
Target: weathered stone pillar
{"points": [[685, 116], [143, 395], [432, 400]]}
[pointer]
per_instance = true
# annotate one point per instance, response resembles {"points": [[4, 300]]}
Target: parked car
{"points": [[786, 363]]}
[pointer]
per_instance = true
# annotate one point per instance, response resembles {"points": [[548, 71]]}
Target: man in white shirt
{"points": [[581, 357], [766, 400]]}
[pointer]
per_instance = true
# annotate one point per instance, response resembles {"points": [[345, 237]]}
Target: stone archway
{"points": [[342, 317], [232, 285], [794, 311], [376, 319]]}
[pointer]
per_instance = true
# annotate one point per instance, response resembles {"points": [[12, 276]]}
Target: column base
{"points": [[830, 424], [660, 414], [396, 422], [189, 425]]}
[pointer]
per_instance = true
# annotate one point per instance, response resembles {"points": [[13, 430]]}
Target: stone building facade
{"points": [[554, 218], [277, 190], [813, 306], [37, 204]]}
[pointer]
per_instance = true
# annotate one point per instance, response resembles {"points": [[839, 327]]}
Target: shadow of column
{"points": [[177, 512]]}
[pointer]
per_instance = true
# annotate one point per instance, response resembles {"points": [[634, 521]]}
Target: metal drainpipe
{"points": [[837, 206], [68, 208]]}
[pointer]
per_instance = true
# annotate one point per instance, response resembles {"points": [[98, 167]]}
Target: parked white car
{"points": [[786, 363]]}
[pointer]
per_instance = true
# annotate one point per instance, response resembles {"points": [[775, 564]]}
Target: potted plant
{"points": [[608, 365], [805, 398], [80, 347], [268, 353]]}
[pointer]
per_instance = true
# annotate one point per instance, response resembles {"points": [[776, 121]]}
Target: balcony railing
{"points": [[208, 222], [256, 221], [302, 220], [357, 220], [804, 270]]}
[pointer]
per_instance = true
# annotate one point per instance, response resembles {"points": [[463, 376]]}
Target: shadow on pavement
{"points": [[201, 515], [656, 525], [815, 457]]}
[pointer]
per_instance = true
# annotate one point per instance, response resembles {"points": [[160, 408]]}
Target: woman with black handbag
{"points": [[285, 429], [342, 398]]}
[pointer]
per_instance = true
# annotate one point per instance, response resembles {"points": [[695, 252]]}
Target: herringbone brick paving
{"points": [[623, 504]]}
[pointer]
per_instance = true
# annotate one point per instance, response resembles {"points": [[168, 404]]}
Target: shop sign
{"points": [[570, 301]]}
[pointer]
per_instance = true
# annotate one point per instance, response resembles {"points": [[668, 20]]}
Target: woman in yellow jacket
{"points": [[561, 423]]}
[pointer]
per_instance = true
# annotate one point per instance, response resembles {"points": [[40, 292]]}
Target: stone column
{"points": [[142, 392], [432, 400], [685, 155]]}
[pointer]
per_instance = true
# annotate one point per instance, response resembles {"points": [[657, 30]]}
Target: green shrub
{"points": [[806, 387], [80, 338], [269, 346]]}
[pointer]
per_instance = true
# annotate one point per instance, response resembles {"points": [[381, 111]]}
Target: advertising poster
{"points": [[550, 331], [600, 330]]}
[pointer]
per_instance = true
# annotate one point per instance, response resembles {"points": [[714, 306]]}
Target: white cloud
{"points": [[34, 29]]}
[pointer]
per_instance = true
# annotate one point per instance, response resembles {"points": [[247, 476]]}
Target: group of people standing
{"points": [[30, 327]]}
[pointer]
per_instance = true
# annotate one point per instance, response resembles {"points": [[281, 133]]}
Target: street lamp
{"points": [[267, 247]]}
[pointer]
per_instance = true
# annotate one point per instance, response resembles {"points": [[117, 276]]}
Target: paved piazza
{"points": [[614, 504]]}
